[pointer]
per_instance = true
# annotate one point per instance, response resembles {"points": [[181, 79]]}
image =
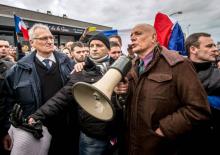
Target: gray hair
{"points": [[33, 29]]}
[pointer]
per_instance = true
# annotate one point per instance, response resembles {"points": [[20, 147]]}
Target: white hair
{"points": [[33, 29]]}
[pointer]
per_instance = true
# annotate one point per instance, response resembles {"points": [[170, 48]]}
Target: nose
{"points": [[118, 54], [93, 48], [133, 38], [50, 41], [3, 47], [82, 54], [215, 48]]}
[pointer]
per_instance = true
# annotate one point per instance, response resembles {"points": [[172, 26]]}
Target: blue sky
{"points": [[197, 16]]}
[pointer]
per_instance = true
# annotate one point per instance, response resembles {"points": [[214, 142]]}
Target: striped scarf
{"points": [[102, 63]]}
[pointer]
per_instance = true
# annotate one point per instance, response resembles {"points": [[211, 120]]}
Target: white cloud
{"points": [[122, 14]]}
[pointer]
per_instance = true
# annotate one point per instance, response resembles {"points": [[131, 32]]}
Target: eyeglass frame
{"points": [[45, 38]]}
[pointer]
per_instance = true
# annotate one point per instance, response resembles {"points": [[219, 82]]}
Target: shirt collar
{"points": [[148, 58], [51, 57]]}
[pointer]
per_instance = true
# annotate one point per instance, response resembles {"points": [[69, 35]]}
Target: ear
{"points": [[154, 38], [193, 50], [31, 42], [72, 53]]}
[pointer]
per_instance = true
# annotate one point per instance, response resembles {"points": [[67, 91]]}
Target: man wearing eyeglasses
{"points": [[31, 82]]}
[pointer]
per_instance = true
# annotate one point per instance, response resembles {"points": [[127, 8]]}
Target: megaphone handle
{"points": [[120, 100], [123, 80]]}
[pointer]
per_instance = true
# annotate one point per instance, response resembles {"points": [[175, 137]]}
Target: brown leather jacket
{"points": [[169, 96]]}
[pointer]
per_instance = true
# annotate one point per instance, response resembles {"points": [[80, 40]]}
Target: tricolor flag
{"points": [[169, 33], [21, 27]]}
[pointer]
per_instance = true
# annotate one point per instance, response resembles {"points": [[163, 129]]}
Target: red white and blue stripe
{"points": [[169, 33], [21, 27]]}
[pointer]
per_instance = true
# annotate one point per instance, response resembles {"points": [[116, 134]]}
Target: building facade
{"points": [[63, 28]]}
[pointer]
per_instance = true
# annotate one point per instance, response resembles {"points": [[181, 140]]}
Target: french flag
{"points": [[21, 27], [169, 33]]}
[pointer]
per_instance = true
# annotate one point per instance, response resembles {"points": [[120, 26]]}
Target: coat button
{"points": [[92, 80]]}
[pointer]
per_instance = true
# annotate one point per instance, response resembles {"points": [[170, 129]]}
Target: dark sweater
{"points": [[50, 80]]}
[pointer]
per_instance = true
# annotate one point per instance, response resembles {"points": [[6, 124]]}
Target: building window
{"points": [[7, 35], [65, 39]]}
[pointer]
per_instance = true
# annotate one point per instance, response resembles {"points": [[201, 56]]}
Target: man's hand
{"points": [[79, 67], [16, 116], [18, 121], [121, 90], [122, 87], [7, 143], [159, 132], [31, 121]]}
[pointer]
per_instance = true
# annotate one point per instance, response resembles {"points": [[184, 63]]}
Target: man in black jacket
{"points": [[30, 83], [95, 135], [4, 66], [204, 55]]}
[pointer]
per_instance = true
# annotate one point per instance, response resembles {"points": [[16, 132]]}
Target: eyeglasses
{"points": [[45, 38]]}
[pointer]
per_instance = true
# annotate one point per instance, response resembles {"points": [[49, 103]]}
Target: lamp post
{"points": [[175, 13], [187, 29]]}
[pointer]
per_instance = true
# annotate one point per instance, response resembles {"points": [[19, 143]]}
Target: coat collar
{"points": [[28, 61]]}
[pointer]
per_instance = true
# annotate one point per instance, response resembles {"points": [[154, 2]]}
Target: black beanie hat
{"points": [[102, 38]]}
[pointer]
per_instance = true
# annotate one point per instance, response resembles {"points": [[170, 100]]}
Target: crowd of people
{"points": [[167, 104]]}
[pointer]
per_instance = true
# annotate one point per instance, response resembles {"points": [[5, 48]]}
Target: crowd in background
{"points": [[171, 103]]}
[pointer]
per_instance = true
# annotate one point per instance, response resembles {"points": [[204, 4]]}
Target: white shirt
{"points": [[51, 57]]}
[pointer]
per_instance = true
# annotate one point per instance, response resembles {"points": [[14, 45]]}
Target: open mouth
{"points": [[133, 46]]}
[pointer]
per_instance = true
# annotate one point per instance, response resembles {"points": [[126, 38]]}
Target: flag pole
{"points": [[18, 44], [85, 32], [17, 38]]}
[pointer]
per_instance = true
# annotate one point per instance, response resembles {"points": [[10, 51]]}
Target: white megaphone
{"points": [[96, 98]]}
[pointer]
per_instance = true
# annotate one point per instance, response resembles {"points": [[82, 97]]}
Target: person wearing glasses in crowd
{"points": [[30, 83]]}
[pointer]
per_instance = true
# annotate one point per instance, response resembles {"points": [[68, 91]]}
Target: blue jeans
{"points": [[90, 146]]}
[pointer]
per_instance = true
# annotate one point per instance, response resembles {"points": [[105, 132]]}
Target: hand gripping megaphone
{"points": [[96, 98]]}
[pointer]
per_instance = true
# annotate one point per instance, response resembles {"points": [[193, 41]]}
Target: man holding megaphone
{"points": [[166, 100], [96, 136]]}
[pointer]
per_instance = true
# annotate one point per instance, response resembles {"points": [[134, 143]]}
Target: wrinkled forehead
{"points": [[203, 39], [4, 43], [143, 28], [78, 48], [96, 42], [42, 31]]}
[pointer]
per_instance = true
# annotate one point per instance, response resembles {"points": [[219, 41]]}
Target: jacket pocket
{"points": [[153, 143], [160, 77], [25, 93]]}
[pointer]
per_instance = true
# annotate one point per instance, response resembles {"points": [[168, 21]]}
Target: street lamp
{"points": [[175, 13], [187, 28]]}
